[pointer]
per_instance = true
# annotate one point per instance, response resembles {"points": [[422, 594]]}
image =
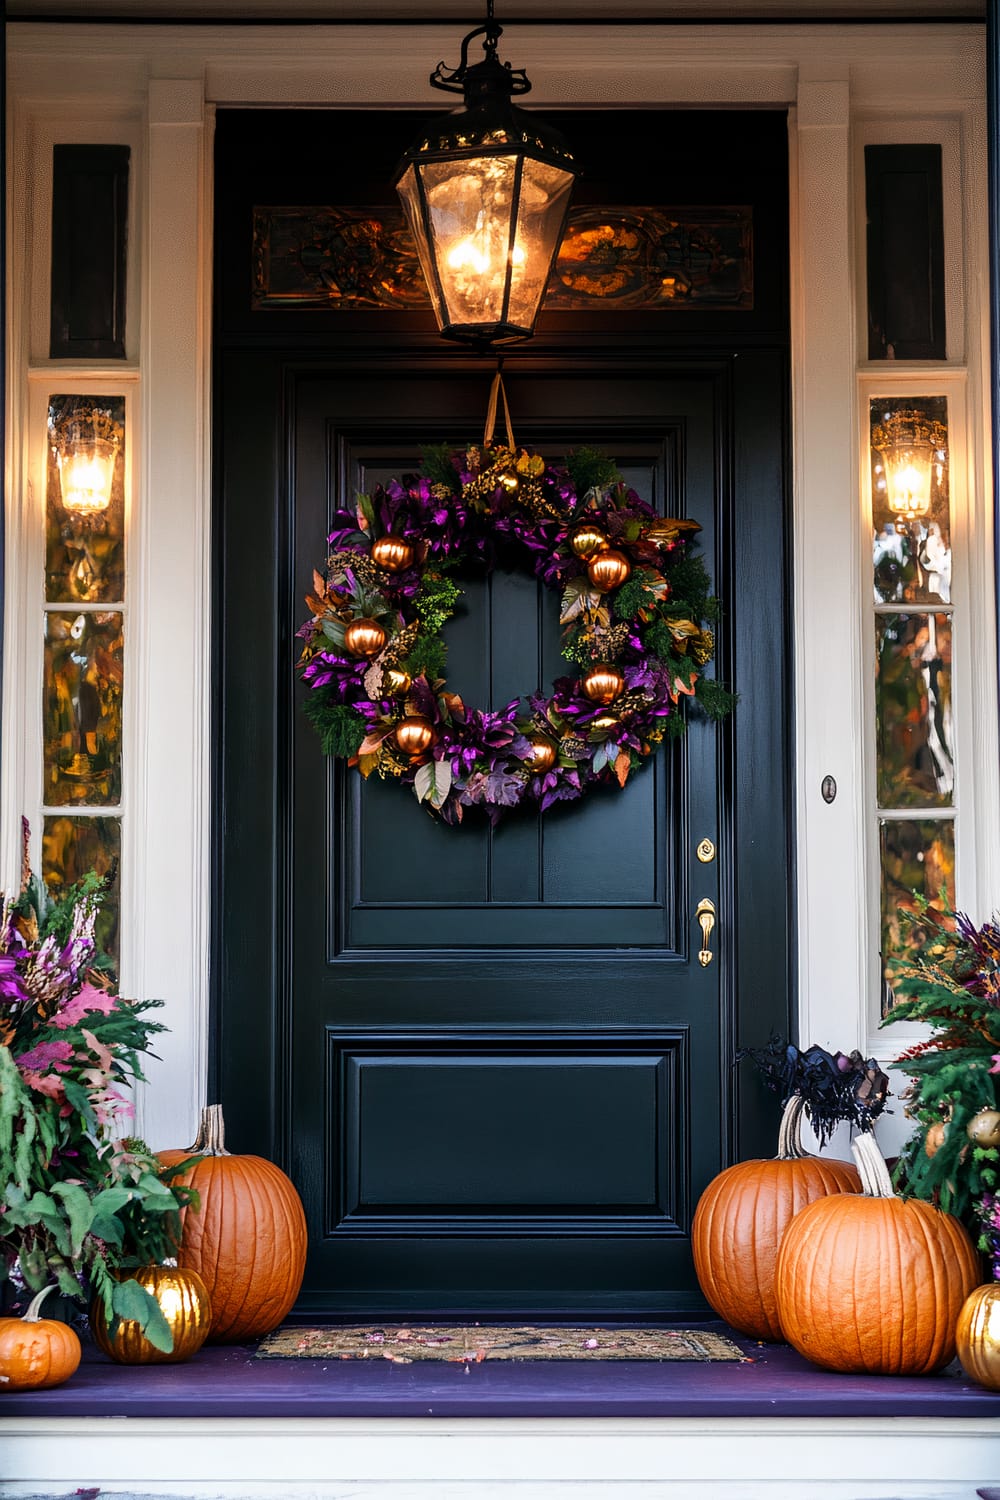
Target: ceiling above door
{"points": [[465, 11]]}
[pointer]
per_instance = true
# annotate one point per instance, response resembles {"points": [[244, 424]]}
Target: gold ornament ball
{"points": [[415, 734], [608, 570], [364, 637], [510, 482], [602, 684], [543, 754], [605, 722], [984, 1128], [978, 1335], [184, 1303], [588, 540], [392, 553], [934, 1139], [397, 682]]}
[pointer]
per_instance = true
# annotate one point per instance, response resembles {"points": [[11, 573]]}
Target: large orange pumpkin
{"points": [[742, 1215], [247, 1240], [36, 1352], [873, 1284]]}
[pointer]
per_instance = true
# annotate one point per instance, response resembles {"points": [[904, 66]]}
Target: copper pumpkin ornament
{"points": [[608, 570], [977, 1335], [587, 540], [602, 683], [184, 1303], [415, 734], [247, 1240], [393, 553], [543, 754], [364, 637]]}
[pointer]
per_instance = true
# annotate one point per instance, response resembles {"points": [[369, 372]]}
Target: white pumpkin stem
{"points": [[33, 1315], [790, 1147], [211, 1139], [874, 1174]]}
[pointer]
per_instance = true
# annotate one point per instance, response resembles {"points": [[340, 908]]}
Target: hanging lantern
{"points": [[486, 193], [913, 452]]}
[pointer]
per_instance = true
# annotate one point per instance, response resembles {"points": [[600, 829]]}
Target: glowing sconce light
{"points": [[486, 193], [86, 441], [913, 452]]}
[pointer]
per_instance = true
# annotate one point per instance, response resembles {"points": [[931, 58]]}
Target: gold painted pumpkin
{"points": [[185, 1305], [602, 684], [608, 570], [977, 1335], [364, 637], [397, 682], [588, 539], [873, 1284], [742, 1216], [36, 1352], [393, 553], [247, 1241]]}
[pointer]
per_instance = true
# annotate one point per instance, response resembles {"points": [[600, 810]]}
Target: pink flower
{"points": [[49, 1084], [89, 999], [996, 1063], [52, 1057]]}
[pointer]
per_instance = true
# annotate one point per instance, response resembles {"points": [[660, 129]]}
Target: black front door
{"points": [[491, 1059]]}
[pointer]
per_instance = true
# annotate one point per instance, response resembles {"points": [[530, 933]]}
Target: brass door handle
{"points": [[706, 916]]}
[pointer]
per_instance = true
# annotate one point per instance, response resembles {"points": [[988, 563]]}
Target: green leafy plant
{"points": [[79, 1207]]}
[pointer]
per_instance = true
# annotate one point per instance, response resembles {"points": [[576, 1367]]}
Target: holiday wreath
{"points": [[635, 603]]}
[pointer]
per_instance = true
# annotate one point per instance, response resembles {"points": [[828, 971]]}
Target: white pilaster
{"points": [[168, 830]]}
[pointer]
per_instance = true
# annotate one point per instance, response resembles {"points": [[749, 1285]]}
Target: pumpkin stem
{"points": [[211, 1139], [790, 1147], [874, 1174], [33, 1315]]}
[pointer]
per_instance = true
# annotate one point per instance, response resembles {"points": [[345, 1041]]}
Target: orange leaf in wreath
{"points": [[679, 686], [622, 767]]}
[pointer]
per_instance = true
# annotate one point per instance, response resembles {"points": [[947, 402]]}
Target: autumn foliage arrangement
{"points": [[80, 1206]]}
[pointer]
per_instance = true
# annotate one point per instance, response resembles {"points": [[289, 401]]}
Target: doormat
{"points": [[471, 1344]]}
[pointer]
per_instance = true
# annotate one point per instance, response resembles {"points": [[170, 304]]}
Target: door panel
{"points": [[493, 1031]]}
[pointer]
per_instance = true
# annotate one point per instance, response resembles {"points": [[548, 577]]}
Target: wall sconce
{"points": [[86, 440], [486, 193], [914, 451]]}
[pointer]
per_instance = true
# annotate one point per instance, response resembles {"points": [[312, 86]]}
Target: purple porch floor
{"points": [[227, 1381]]}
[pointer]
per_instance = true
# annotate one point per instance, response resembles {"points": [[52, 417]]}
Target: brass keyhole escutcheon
{"points": [[705, 913], [706, 851]]}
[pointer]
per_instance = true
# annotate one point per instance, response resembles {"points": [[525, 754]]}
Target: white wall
{"points": [[158, 88]]}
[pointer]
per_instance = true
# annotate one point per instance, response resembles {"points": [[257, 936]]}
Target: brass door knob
{"points": [[706, 916]]}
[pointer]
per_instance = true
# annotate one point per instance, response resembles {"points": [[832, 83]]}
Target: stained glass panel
{"points": [[84, 534], [83, 708], [911, 514], [913, 710], [73, 846], [917, 859]]}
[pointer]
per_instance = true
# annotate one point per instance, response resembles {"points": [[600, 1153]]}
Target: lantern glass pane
{"points": [[85, 501], [542, 207], [73, 846], [409, 192], [469, 207], [911, 512], [916, 766]]}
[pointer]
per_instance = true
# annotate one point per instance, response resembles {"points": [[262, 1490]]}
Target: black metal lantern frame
{"points": [[486, 193]]}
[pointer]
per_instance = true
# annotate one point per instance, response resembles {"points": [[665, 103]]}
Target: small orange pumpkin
{"points": [[184, 1304], [871, 1283], [247, 1240], [978, 1335], [742, 1215], [36, 1352]]}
